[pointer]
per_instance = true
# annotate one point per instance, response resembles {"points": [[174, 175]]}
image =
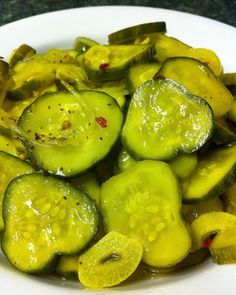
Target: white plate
{"points": [[60, 29]]}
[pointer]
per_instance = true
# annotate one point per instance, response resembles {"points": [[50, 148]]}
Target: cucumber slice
{"points": [[88, 184], [229, 199], [24, 51], [110, 62], [215, 171], [68, 266], [223, 246], [157, 108], [183, 164], [210, 223], [140, 73], [110, 261], [42, 215], [224, 132], [5, 80], [192, 211], [82, 44], [128, 35], [68, 133], [199, 80], [10, 168], [144, 203]]}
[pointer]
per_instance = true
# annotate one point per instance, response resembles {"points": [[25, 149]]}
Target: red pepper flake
{"points": [[207, 243], [206, 62], [104, 66], [101, 121]]}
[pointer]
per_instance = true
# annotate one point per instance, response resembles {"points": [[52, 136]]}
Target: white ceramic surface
{"points": [[59, 29]]}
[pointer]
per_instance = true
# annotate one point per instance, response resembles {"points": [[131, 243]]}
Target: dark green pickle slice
{"points": [[45, 217], [71, 132], [164, 119]]}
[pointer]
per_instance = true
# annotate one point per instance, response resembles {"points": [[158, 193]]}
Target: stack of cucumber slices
{"points": [[117, 158]]}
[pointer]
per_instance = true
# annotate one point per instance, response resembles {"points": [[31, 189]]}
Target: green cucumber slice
{"points": [[45, 217], [68, 133], [110, 261], [144, 203], [128, 35], [164, 119], [215, 171], [199, 79]]}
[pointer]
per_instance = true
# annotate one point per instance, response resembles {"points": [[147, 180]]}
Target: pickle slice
{"points": [[209, 224], [45, 217], [223, 247], [110, 261], [157, 108], [144, 203]]}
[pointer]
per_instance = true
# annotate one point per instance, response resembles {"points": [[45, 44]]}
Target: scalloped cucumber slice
{"points": [[215, 171], [144, 203], [42, 216], [164, 119], [110, 261]]}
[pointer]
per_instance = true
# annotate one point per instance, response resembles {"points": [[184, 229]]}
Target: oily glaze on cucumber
{"points": [[128, 35], [110, 62], [144, 203], [199, 80], [45, 217], [10, 168], [68, 133], [159, 107], [215, 171]]}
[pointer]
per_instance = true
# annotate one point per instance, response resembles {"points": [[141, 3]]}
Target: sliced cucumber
{"points": [[128, 35], [42, 215], [210, 223], [144, 203], [68, 266], [214, 172], [110, 261], [82, 44], [157, 108], [199, 80], [223, 246], [110, 62], [68, 133], [22, 52], [140, 73]]}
